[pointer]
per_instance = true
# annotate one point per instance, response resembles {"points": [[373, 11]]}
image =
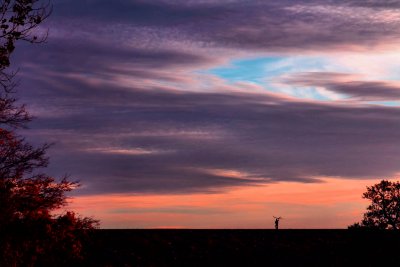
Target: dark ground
{"points": [[243, 248]]}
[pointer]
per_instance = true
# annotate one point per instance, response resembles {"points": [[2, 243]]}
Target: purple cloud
{"points": [[117, 88], [260, 25], [348, 85], [187, 135]]}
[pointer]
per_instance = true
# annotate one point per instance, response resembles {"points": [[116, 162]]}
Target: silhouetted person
{"points": [[277, 222]]}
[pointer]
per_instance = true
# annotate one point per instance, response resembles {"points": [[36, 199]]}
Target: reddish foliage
{"points": [[31, 235]]}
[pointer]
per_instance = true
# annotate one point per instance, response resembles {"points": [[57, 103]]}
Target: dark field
{"points": [[243, 248]]}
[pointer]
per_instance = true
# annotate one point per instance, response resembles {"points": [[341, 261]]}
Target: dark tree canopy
{"points": [[384, 210], [31, 235], [19, 18]]}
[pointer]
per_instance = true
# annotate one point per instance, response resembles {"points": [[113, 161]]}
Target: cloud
{"points": [[169, 210], [122, 151], [103, 60], [284, 26], [214, 140], [353, 86], [119, 88]]}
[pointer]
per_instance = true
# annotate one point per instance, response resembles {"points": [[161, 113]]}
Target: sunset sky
{"points": [[217, 113]]}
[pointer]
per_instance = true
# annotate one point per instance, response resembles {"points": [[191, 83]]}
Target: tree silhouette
{"points": [[31, 235], [384, 210]]}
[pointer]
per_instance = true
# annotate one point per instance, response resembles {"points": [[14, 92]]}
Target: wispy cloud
{"points": [[271, 138], [138, 106], [352, 86], [123, 151]]}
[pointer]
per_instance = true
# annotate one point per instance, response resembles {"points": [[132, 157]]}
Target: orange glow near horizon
{"points": [[334, 203]]}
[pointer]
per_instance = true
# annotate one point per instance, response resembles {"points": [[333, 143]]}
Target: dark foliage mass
{"points": [[384, 210], [31, 235]]}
